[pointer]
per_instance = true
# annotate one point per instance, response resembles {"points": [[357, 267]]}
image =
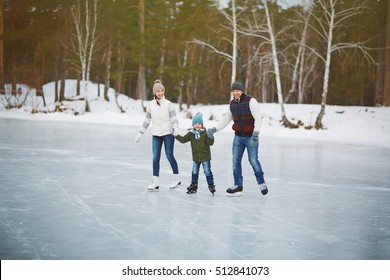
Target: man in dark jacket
{"points": [[244, 112]]}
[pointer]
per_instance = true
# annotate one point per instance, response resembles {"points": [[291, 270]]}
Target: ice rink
{"points": [[78, 191]]}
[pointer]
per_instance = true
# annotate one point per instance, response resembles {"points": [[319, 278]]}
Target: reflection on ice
{"points": [[77, 191]]}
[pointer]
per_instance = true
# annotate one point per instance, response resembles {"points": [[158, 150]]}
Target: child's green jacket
{"points": [[200, 148]]}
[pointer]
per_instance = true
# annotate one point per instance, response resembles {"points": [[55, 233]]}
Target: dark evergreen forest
{"points": [[127, 44]]}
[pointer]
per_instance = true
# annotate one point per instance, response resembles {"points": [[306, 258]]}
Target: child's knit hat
{"points": [[197, 119], [157, 86]]}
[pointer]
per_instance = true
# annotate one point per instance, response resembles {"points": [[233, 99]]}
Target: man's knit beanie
{"points": [[237, 86]]}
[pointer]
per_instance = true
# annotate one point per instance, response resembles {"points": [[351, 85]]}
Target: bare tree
{"points": [[186, 62], [199, 62], [384, 20], [286, 122], [85, 23], [2, 46], [190, 87], [308, 75], [329, 22], [232, 20], [108, 57], [386, 92], [299, 60], [141, 84], [182, 63], [267, 34]]}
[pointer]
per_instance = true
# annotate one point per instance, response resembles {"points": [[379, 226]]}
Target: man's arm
{"points": [[227, 118], [255, 111]]}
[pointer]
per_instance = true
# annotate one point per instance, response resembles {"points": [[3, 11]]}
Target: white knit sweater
{"points": [[162, 116]]}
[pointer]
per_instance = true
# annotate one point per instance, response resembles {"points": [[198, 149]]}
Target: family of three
{"points": [[243, 111]]}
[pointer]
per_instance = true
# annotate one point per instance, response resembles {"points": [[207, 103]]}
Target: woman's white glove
{"points": [[138, 137], [175, 131]]}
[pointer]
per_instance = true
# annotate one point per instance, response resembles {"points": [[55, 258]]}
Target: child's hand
{"points": [[210, 132]]}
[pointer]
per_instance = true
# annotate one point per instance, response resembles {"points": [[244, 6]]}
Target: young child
{"points": [[200, 146]]}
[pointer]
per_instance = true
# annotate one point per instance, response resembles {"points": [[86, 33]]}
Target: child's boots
{"points": [[212, 189], [192, 188]]}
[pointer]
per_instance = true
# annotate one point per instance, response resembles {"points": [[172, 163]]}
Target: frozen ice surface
{"points": [[78, 191]]}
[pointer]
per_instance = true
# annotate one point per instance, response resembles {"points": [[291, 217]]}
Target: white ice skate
{"points": [[175, 182], [155, 186]]}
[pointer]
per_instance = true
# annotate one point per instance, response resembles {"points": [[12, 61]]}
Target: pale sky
{"points": [[283, 3]]}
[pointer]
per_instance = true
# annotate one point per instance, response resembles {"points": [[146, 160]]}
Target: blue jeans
{"points": [[206, 169], [157, 142], [240, 143]]}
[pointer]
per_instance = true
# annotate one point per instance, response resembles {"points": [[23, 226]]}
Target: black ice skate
{"points": [[263, 188], [192, 188], [234, 191], [212, 189]]}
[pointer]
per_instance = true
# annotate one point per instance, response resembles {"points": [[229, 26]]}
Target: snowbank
{"points": [[354, 124]]}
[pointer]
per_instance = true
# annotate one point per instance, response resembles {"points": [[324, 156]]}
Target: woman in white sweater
{"points": [[161, 113]]}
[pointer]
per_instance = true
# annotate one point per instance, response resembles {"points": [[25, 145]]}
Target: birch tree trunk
{"points": [[189, 86], [301, 92], [264, 84], [162, 59], [108, 66], [120, 64], [318, 124], [332, 20], [232, 58], [199, 62], [182, 65], [141, 84], [386, 92], [2, 46], [93, 40], [234, 51], [275, 60], [248, 76], [299, 61], [307, 76], [381, 53], [85, 37]]}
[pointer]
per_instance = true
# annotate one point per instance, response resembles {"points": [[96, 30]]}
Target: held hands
{"points": [[138, 137], [210, 132], [175, 131], [255, 138]]}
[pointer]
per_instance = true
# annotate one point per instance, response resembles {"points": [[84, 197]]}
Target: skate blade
{"points": [[175, 187], [236, 194]]}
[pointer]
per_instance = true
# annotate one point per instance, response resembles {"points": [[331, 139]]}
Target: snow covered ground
{"points": [[352, 125], [73, 187]]}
